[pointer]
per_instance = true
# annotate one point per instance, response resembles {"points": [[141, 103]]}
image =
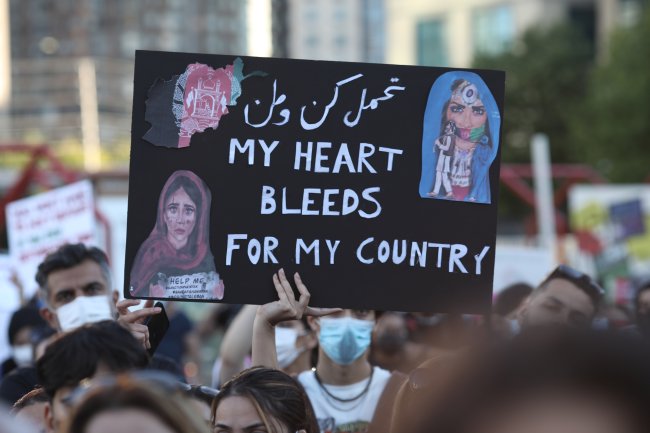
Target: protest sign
{"points": [[378, 183], [10, 302], [39, 224], [610, 224], [521, 264]]}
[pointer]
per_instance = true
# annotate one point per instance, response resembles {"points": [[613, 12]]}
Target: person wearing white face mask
{"points": [[75, 286], [294, 342], [22, 324], [348, 394]]}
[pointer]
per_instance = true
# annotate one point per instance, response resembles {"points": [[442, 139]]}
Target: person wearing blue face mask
{"points": [[348, 394]]}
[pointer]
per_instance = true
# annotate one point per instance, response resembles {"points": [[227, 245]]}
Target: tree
{"points": [[612, 127], [546, 81]]}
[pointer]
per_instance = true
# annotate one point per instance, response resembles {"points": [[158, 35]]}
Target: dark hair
{"points": [[68, 256], [163, 363], [579, 279], [34, 396], [275, 395], [172, 409], [510, 298], [193, 192], [24, 317], [16, 384], [601, 364], [76, 355]]}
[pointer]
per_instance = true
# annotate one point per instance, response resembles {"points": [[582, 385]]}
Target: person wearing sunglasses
{"points": [[139, 402], [565, 297]]}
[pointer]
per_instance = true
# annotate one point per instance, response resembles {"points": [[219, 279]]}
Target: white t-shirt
{"points": [[344, 417]]}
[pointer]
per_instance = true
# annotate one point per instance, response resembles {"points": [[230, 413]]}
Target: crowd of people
{"points": [[555, 358]]}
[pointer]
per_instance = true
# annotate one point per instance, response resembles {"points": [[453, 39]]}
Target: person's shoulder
{"points": [[380, 377], [381, 374], [307, 378]]}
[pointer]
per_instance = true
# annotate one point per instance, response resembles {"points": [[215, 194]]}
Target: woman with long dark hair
{"points": [[263, 400]]}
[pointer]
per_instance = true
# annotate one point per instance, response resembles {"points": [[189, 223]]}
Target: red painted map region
{"points": [[207, 94]]}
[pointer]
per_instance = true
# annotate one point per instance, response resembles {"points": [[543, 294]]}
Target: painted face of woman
{"points": [[180, 218], [467, 111]]}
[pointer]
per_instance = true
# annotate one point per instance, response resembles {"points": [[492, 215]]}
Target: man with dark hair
{"points": [[90, 350], [76, 287], [565, 297]]}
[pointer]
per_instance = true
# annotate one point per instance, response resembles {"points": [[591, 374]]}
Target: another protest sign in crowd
{"points": [[539, 364]]}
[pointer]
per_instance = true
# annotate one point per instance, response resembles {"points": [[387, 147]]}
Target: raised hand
{"points": [[287, 307], [134, 320]]}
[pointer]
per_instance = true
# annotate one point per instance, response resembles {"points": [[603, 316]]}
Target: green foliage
{"points": [[546, 80], [612, 128]]}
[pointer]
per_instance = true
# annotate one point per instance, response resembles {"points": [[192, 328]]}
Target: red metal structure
{"points": [[518, 179]]}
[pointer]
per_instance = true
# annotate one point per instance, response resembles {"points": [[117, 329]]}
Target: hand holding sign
{"points": [[134, 320], [285, 308]]}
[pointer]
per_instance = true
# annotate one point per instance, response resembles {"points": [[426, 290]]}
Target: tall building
{"points": [[438, 33], [347, 30], [72, 60], [114, 29], [280, 28], [374, 31]]}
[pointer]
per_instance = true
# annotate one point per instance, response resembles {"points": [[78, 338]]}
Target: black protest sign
{"points": [[378, 183]]}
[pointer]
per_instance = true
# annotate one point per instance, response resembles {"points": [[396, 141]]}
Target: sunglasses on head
{"points": [[580, 279], [163, 381]]}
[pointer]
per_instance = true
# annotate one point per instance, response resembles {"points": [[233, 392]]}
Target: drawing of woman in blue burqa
{"points": [[461, 99]]}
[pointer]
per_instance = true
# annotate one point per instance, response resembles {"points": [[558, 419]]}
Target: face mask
{"points": [[285, 345], [22, 354], [84, 309], [345, 339]]}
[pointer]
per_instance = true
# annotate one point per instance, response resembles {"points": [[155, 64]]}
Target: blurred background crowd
{"points": [[578, 76]]}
